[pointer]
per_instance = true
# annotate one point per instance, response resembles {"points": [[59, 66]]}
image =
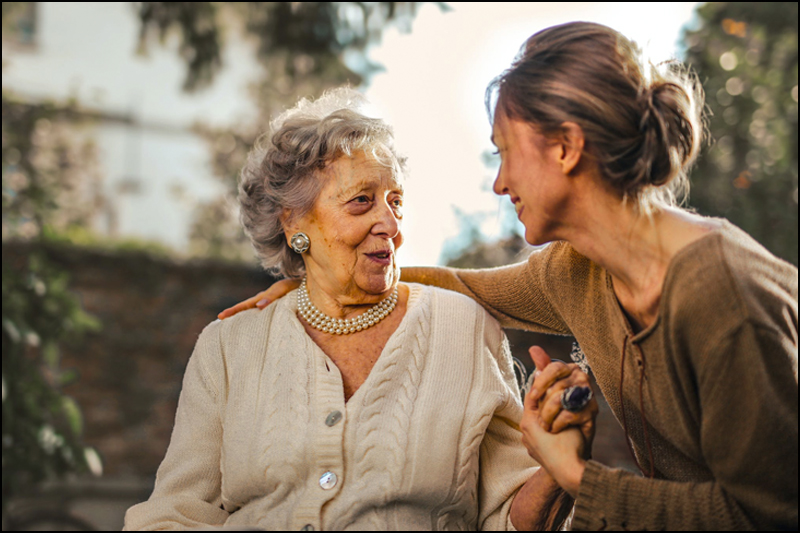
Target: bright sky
{"points": [[432, 92]]}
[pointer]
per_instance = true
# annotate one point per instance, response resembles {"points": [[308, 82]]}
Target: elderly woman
{"points": [[358, 402]]}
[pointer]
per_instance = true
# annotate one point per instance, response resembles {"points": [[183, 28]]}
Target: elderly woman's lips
{"points": [[382, 257]]}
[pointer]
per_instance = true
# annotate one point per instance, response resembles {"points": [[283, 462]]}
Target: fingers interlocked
{"points": [[546, 394]]}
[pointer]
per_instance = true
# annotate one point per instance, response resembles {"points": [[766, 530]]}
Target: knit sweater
{"points": [[710, 387], [263, 437]]}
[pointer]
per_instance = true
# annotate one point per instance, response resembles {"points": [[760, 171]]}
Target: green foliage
{"points": [[41, 167], [746, 56], [41, 427], [82, 236], [216, 231], [47, 169], [199, 29]]}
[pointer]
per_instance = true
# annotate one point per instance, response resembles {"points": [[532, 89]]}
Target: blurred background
{"points": [[123, 129]]}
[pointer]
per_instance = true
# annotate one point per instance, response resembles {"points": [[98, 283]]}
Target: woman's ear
{"points": [[572, 142], [289, 224]]}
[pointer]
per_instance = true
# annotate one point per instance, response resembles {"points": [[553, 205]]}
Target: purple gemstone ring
{"points": [[573, 399]]}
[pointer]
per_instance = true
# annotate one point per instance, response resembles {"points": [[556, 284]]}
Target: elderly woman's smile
{"points": [[355, 230]]}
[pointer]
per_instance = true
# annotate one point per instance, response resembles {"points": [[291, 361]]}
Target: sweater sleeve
{"points": [[504, 463], [515, 295], [749, 403], [187, 492]]}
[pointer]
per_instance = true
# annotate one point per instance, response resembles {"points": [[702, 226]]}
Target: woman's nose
{"points": [[387, 221], [499, 187]]}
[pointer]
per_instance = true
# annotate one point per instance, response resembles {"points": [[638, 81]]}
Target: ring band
{"points": [[573, 399]]}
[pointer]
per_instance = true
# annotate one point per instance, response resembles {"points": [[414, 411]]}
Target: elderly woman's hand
{"points": [[560, 454], [551, 378], [263, 298]]}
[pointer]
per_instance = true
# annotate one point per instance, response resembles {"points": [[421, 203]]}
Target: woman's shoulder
{"points": [[244, 322], [747, 257], [562, 268], [238, 333], [728, 275]]}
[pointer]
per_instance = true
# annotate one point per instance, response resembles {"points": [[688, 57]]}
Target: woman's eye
{"points": [[363, 199], [496, 152]]}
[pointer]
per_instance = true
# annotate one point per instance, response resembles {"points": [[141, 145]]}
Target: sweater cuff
{"points": [[591, 504]]}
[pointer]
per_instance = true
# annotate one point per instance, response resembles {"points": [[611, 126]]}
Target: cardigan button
{"points": [[328, 480], [333, 418]]}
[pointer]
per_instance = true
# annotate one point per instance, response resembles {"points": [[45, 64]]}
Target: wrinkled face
{"points": [[530, 174], [355, 230]]}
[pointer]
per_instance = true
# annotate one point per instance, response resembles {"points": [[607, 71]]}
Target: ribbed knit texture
{"points": [[720, 388], [429, 441]]}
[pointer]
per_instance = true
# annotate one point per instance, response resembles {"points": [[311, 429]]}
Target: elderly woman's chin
{"points": [[375, 278]]}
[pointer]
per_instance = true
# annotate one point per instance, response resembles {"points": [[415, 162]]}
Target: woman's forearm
{"points": [[435, 276], [513, 294], [540, 505]]}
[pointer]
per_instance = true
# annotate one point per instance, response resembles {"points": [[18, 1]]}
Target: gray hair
{"points": [[283, 170]]}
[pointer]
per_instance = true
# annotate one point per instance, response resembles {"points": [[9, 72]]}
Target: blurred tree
{"points": [[473, 247], [294, 39], [482, 254], [746, 56], [51, 178], [42, 167], [303, 47]]}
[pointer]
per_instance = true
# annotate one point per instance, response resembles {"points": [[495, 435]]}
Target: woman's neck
{"points": [[341, 303], [636, 249]]}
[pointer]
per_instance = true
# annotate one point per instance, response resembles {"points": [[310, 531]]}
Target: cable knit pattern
{"points": [[429, 441], [385, 451], [456, 515]]}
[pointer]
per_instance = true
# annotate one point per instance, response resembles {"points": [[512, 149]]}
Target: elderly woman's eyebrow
{"points": [[364, 185]]}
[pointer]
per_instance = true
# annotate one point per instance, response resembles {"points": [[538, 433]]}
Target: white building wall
{"points": [[155, 167]]}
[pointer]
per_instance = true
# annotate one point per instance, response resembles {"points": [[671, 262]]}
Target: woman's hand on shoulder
{"points": [[550, 380], [263, 298]]}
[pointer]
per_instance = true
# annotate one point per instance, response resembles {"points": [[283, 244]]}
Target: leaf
{"points": [[67, 377], [73, 414], [12, 330], [93, 461], [50, 354]]}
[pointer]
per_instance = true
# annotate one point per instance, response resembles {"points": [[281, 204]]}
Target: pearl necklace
{"points": [[337, 326]]}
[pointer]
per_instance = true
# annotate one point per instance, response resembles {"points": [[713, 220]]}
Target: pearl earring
{"points": [[300, 242]]}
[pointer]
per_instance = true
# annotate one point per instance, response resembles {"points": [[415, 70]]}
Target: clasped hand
{"points": [[557, 439]]}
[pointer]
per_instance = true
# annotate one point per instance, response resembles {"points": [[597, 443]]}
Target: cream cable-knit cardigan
{"points": [[429, 441]]}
